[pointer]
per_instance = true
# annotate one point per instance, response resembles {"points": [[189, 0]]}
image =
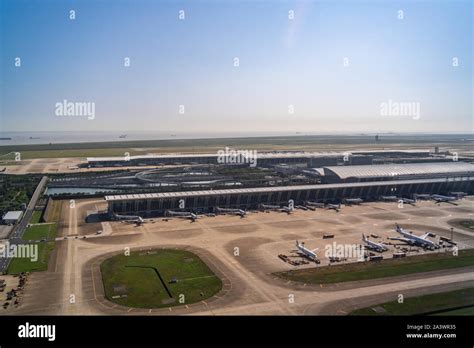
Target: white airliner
{"points": [[444, 199], [130, 218], [183, 215], [398, 199], [410, 238], [315, 204], [335, 207], [239, 212], [285, 209], [389, 198], [407, 200], [310, 254], [379, 247], [350, 201]]}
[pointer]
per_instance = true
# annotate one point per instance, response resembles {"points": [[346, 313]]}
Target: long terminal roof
{"points": [[159, 195]]}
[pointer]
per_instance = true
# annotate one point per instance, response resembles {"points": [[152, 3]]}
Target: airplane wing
{"points": [[426, 235]]}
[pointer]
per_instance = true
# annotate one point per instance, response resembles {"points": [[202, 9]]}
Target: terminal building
{"points": [[310, 159], [368, 182]]}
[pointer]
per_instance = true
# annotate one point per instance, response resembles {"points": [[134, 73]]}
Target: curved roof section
{"points": [[400, 170]]}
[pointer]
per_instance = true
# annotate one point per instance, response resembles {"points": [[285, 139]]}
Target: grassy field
{"points": [[40, 231], [381, 269], [36, 217], [36, 232], [445, 303], [18, 265], [145, 279]]}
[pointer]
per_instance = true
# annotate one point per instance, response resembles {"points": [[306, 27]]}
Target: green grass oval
{"points": [[145, 279]]}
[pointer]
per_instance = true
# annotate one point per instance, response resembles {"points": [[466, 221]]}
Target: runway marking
{"points": [[129, 310]]}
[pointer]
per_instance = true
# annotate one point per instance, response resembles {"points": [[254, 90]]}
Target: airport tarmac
{"points": [[59, 165], [244, 253]]}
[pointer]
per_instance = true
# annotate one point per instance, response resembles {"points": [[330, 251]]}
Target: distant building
{"points": [[12, 217]]}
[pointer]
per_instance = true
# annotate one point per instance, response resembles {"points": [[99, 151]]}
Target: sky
{"points": [[335, 66]]}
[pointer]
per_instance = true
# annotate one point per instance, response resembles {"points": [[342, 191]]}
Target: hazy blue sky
{"points": [[283, 62]]}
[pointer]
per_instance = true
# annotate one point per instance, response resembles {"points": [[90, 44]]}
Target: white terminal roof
{"points": [[384, 170], [277, 189], [268, 154], [13, 215], [285, 154]]}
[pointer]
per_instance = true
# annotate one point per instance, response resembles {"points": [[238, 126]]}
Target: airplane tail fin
{"points": [[364, 238]]}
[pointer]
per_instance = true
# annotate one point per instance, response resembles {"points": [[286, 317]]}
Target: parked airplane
{"points": [[407, 201], [350, 201], [239, 212], [183, 215], [335, 207], [285, 209], [410, 238], [379, 247], [310, 254], [389, 198], [444, 199], [421, 196], [130, 218], [302, 207], [315, 204]]}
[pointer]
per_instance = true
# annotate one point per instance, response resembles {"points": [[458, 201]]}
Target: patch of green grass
{"points": [[18, 265], [40, 231], [443, 302], [464, 224], [136, 275], [36, 217], [468, 224], [380, 269]]}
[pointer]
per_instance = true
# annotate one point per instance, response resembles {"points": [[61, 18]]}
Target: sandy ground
{"points": [[243, 252], [59, 165]]}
